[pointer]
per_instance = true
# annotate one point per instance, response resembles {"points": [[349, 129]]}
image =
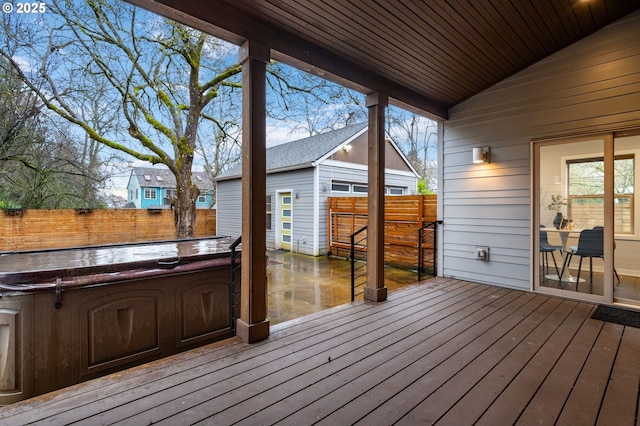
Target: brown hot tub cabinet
{"points": [[75, 314]]}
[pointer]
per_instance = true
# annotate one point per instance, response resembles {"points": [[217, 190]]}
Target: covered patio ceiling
{"points": [[427, 56]]}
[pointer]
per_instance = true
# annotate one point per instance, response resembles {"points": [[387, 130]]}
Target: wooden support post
{"points": [[375, 289], [253, 325]]}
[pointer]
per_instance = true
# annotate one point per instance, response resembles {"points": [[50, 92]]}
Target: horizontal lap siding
{"points": [[300, 182], [592, 86], [229, 207]]}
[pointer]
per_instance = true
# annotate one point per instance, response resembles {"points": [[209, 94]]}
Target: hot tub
{"points": [[71, 315]]}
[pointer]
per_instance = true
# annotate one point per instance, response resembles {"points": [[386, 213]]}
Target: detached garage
{"points": [[301, 175]]}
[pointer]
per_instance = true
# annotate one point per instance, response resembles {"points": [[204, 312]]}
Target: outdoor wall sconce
{"points": [[346, 147], [481, 155]]}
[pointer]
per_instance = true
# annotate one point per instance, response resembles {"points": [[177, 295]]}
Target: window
{"points": [[340, 187], [391, 190], [150, 194], [268, 212], [358, 188], [147, 178], [202, 198], [586, 192]]}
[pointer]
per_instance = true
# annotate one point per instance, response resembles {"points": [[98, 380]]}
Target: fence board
{"points": [[404, 216], [44, 229]]}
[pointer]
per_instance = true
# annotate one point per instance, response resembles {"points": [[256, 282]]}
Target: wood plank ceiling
{"points": [[427, 55]]}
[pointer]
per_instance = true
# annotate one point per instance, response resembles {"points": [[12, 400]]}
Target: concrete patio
{"points": [[300, 285]]}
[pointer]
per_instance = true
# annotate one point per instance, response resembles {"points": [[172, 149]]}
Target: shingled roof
{"points": [[161, 177], [302, 153]]}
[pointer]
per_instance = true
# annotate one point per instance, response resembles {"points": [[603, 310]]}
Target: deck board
{"points": [[618, 404], [584, 401], [435, 405], [442, 352]]}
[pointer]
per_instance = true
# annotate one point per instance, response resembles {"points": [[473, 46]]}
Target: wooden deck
{"points": [[446, 351]]}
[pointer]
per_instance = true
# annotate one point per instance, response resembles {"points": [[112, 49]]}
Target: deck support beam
{"points": [[253, 325], [375, 289]]}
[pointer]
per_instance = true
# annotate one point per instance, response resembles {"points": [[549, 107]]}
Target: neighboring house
{"points": [[301, 175], [151, 187]]}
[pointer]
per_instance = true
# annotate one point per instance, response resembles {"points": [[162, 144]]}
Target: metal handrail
{"points": [[360, 270], [433, 226], [234, 285]]}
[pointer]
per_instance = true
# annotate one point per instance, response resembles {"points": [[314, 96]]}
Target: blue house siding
{"points": [[156, 195], [159, 184]]}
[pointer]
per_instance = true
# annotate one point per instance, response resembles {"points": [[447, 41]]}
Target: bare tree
{"points": [[311, 104], [416, 136], [159, 75]]}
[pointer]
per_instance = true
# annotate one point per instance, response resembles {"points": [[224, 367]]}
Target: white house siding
{"points": [[592, 86], [229, 208], [339, 171], [300, 182]]}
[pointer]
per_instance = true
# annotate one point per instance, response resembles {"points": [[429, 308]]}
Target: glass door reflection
{"points": [[626, 243], [571, 215]]}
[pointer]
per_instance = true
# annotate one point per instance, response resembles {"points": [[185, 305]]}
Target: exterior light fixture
{"points": [[481, 155], [346, 147]]}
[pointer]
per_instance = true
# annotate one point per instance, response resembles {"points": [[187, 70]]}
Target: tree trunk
{"points": [[185, 208]]}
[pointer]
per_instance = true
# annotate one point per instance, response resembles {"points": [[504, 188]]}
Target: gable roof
{"points": [[154, 177], [302, 153]]}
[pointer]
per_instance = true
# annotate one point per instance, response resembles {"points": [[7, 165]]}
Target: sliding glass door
{"points": [[586, 241], [626, 243]]}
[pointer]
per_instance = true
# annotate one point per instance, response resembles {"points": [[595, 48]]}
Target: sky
{"points": [[277, 131]]}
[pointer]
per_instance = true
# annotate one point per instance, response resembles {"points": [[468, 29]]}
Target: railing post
{"points": [[420, 254], [354, 258], [434, 227], [353, 267], [232, 285], [435, 248]]}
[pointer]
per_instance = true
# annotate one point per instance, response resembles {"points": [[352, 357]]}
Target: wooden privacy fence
{"points": [[44, 229], [404, 215]]}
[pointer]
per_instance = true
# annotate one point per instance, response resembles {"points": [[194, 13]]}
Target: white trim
{"points": [[339, 147], [440, 198], [363, 167], [151, 189], [278, 234], [406, 161], [316, 211]]}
